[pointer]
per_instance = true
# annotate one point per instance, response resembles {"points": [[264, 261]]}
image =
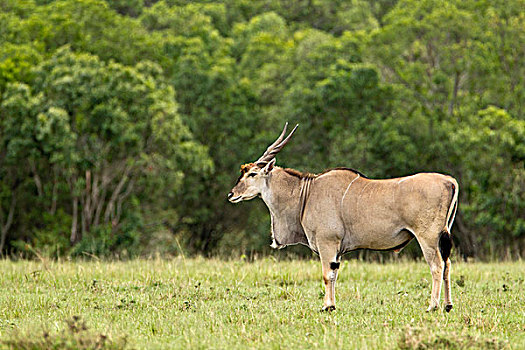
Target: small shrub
{"points": [[103, 242], [75, 336], [420, 339]]}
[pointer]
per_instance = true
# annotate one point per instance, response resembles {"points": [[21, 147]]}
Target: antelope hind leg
{"points": [[446, 280], [433, 257]]}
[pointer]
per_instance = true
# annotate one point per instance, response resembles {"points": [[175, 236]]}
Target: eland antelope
{"points": [[341, 210]]}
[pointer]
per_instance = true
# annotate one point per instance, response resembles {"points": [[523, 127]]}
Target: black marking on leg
{"points": [[334, 265], [328, 308], [445, 245], [448, 308]]}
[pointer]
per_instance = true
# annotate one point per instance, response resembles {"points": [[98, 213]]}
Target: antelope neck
{"points": [[280, 202]]}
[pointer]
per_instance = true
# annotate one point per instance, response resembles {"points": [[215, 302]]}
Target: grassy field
{"points": [[201, 303]]}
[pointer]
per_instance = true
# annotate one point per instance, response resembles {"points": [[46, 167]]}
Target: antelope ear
{"points": [[268, 167]]}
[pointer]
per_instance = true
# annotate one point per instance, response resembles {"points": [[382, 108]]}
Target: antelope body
{"points": [[340, 210]]}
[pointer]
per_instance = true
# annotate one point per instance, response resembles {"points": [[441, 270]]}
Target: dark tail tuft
{"points": [[445, 245]]}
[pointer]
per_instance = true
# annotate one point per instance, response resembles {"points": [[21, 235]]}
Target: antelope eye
{"points": [[251, 174]]}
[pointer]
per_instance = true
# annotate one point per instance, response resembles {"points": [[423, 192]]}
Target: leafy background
{"points": [[123, 123]]}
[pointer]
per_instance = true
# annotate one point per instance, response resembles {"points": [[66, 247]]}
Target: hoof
{"points": [[432, 308], [448, 308], [328, 308]]}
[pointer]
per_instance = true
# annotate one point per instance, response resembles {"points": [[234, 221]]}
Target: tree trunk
{"points": [[98, 210], [86, 204], [121, 199], [7, 225], [36, 178], [74, 232], [54, 195], [110, 208]]}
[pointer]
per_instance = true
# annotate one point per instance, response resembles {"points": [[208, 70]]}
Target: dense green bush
{"points": [[123, 124]]}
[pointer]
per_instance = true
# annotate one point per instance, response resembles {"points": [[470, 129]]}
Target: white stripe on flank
{"points": [[405, 178], [350, 184]]}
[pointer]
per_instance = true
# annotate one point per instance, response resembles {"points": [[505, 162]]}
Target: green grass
{"points": [[201, 303]]}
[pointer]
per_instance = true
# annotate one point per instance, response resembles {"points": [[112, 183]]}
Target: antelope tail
{"points": [[451, 214], [445, 239]]}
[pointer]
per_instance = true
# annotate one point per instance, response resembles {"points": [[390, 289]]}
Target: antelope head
{"points": [[253, 175]]}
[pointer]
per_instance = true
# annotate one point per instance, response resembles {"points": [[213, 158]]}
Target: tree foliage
{"points": [[123, 123]]}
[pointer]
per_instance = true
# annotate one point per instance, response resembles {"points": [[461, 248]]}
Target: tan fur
{"points": [[345, 211], [299, 174], [341, 210]]}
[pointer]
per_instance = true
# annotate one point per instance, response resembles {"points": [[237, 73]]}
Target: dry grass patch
{"points": [[414, 338], [74, 336]]}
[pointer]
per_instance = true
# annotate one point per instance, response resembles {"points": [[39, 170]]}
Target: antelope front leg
{"points": [[329, 278], [330, 265]]}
